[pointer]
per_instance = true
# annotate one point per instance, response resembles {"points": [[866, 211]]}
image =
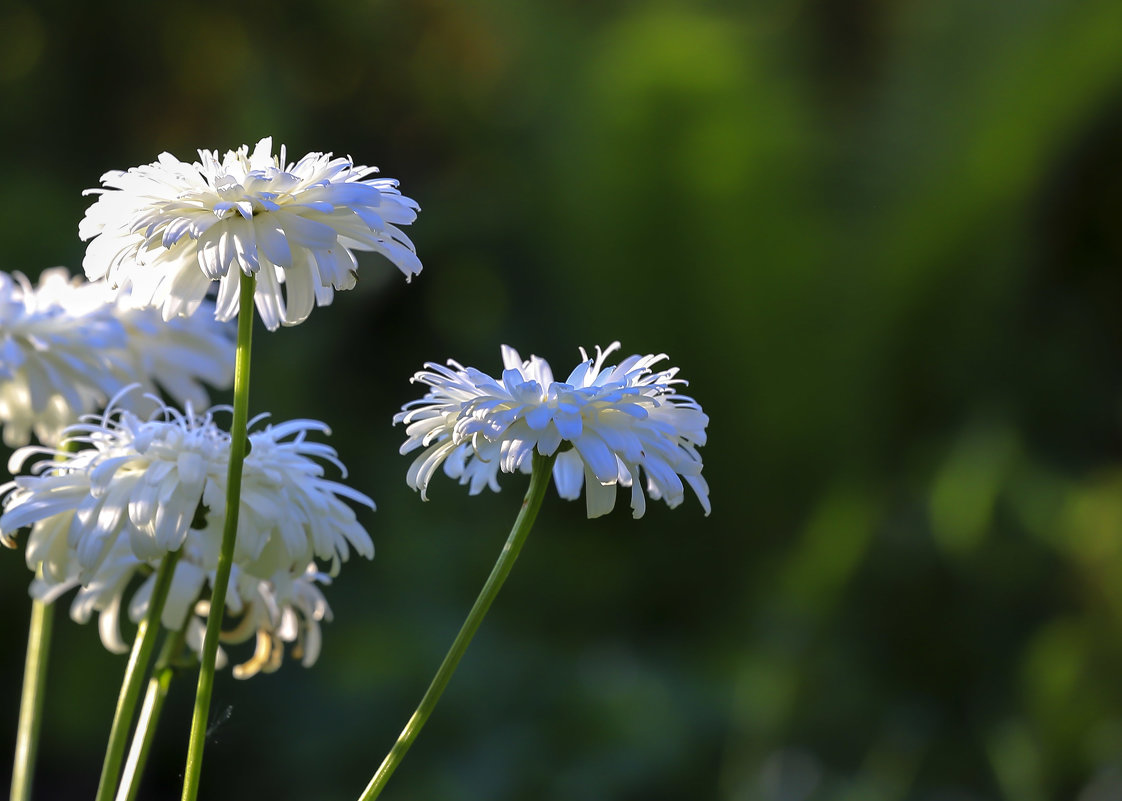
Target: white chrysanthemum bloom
{"points": [[608, 426], [284, 608], [67, 346], [170, 228], [157, 482]]}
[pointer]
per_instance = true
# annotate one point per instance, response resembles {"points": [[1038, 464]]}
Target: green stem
{"points": [[31, 702], [539, 481], [238, 442], [134, 675], [162, 674], [34, 684]]}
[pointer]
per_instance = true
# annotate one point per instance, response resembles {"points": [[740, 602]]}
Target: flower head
{"points": [[160, 484], [622, 424], [67, 346], [110, 512], [170, 228]]}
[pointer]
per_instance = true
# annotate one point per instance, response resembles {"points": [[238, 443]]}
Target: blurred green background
{"points": [[882, 241]]}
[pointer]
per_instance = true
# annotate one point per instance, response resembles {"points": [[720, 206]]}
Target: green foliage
{"points": [[882, 242]]}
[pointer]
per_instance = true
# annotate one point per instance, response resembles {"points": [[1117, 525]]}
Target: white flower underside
{"points": [[170, 228], [622, 425]]}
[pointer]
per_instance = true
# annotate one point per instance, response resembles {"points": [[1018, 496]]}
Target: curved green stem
{"points": [[134, 675], [539, 481], [162, 674], [238, 443], [31, 701]]}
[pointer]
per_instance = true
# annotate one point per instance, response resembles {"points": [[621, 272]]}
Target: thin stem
{"points": [[539, 481], [162, 674], [134, 674], [31, 701], [238, 442], [34, 685]]}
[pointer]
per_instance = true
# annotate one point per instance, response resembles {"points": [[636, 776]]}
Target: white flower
{"points": [[607, 425], [170, 228], [157, 483], [67, 346]]}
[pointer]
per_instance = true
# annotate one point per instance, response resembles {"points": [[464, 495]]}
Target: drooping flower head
{"points": [[618, 425], [67, 346], [169, 228], [138, 489]]}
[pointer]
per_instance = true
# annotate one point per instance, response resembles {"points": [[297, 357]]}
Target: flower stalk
{"points": [[238, 441], [31, 701], [33, 694], [134, 676], [539, 482], [162, 674]]}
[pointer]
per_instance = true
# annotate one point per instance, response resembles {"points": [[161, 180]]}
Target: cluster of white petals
{"points": [[169, 228], [175, 355], [67, 346], [285, 608], [136, 489], [617, 425]]}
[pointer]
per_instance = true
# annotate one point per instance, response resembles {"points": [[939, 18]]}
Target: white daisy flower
{"points": [[157, 482], [67, 346], [170, 228], [608, 426]]}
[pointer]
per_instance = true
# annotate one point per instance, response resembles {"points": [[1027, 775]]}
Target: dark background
{"points": [[882, 241]]}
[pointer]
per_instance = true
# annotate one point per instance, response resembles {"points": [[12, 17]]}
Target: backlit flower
{"points": [[160, 483], [622, 424], [169, 228], [67, 346]]}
